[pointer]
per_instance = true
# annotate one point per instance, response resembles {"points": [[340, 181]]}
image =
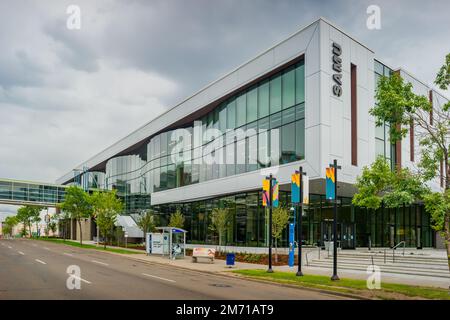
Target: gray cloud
{"points": [[65, 95]]}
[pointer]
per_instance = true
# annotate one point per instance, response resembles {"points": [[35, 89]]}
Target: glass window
{"points": [[378, 67], [263, 99], [275, 94], [288, 143], [215, 118], [275, 120], [263, 149], [223, 118], [171, 176], [300, 83], [379, 147], [252, 104], [387, 72], [156, 179], [264, 124], [288, 80], [231, 158], [300, 139], [275, 146], [240, 156], [163, 179], [241, 110], [300, 111], [231, 114], [379, 132], [163, 149], [288, 115], [195, 173], [252, 153]]}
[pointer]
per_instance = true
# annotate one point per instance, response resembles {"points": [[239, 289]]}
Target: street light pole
{"points": [[335, 277], [269, 203], [299, 226]]}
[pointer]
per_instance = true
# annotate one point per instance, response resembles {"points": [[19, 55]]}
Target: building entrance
{"points": [[345, 234]]}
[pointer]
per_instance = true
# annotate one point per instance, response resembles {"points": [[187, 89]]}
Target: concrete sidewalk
{"points": [[219, 266]]}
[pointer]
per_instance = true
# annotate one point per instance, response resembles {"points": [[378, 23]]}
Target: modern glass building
{"points": [[303, 102]]}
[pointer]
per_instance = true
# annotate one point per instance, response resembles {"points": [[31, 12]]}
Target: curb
{"points": [[227, 274]]}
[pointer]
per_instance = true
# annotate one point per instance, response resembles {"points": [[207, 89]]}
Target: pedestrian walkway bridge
{"points": [[30, 193]]}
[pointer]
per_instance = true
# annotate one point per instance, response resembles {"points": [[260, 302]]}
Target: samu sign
{"points": [[337, 68]]}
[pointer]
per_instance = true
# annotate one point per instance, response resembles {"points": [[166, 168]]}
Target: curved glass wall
{"points": [[124, 174], [95, 179], [259, 127]]}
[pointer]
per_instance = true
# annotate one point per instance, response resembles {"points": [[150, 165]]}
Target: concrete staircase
{"points": [[413, 262]]}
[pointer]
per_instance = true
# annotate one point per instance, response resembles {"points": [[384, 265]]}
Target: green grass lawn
{"points": [[87, 246], [353, 286]]}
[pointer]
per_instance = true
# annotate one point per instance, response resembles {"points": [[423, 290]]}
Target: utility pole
{"points": [[335, 277], [269, 203], [299, 226]]}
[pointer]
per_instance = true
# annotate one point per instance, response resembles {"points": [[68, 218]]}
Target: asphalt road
{"points": [[31, 269]]}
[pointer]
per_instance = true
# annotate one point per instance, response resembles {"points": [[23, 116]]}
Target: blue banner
{"points": [[291, 244]]}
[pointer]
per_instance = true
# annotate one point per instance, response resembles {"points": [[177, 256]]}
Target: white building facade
{"points": [[303, 102]]}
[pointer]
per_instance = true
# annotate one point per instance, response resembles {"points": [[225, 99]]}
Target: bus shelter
{"points": [[167, 241]]}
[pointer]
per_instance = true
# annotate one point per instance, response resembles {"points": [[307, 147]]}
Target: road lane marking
{"points": [[34, 245], [68, 254], [9, 247], [81, 279], [149, 275], [95, 261], [20, 252], [46, 248], [40, 261]]}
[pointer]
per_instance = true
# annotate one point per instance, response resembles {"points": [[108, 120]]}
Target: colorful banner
{"points": [[265, 193], [291, 244], [295, 188], [275, 194], [330, 184], [305, 186]]}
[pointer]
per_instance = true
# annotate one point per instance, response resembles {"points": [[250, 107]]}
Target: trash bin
{"points": [[230, 259]]}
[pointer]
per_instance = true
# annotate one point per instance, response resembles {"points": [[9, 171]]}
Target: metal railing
{"points": [[307, 254], [395, 247]]}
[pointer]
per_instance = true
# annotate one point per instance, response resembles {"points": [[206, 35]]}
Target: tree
{"points": [[36, 219], [52, 225], [398, 105], [280, 218], [9, 224], [220, 220], [176, 219], [147, 222], [378, 185], [105, 207], [27, 215], [77, 205]]}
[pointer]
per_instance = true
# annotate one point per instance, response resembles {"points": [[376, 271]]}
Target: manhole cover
{"points": [[220, 285]]}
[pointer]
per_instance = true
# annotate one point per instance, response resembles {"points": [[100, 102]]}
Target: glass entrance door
{"points": [[348, 236], [326, 232]]}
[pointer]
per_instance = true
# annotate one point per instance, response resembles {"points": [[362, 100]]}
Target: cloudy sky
{"points": [[67, 94]]}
